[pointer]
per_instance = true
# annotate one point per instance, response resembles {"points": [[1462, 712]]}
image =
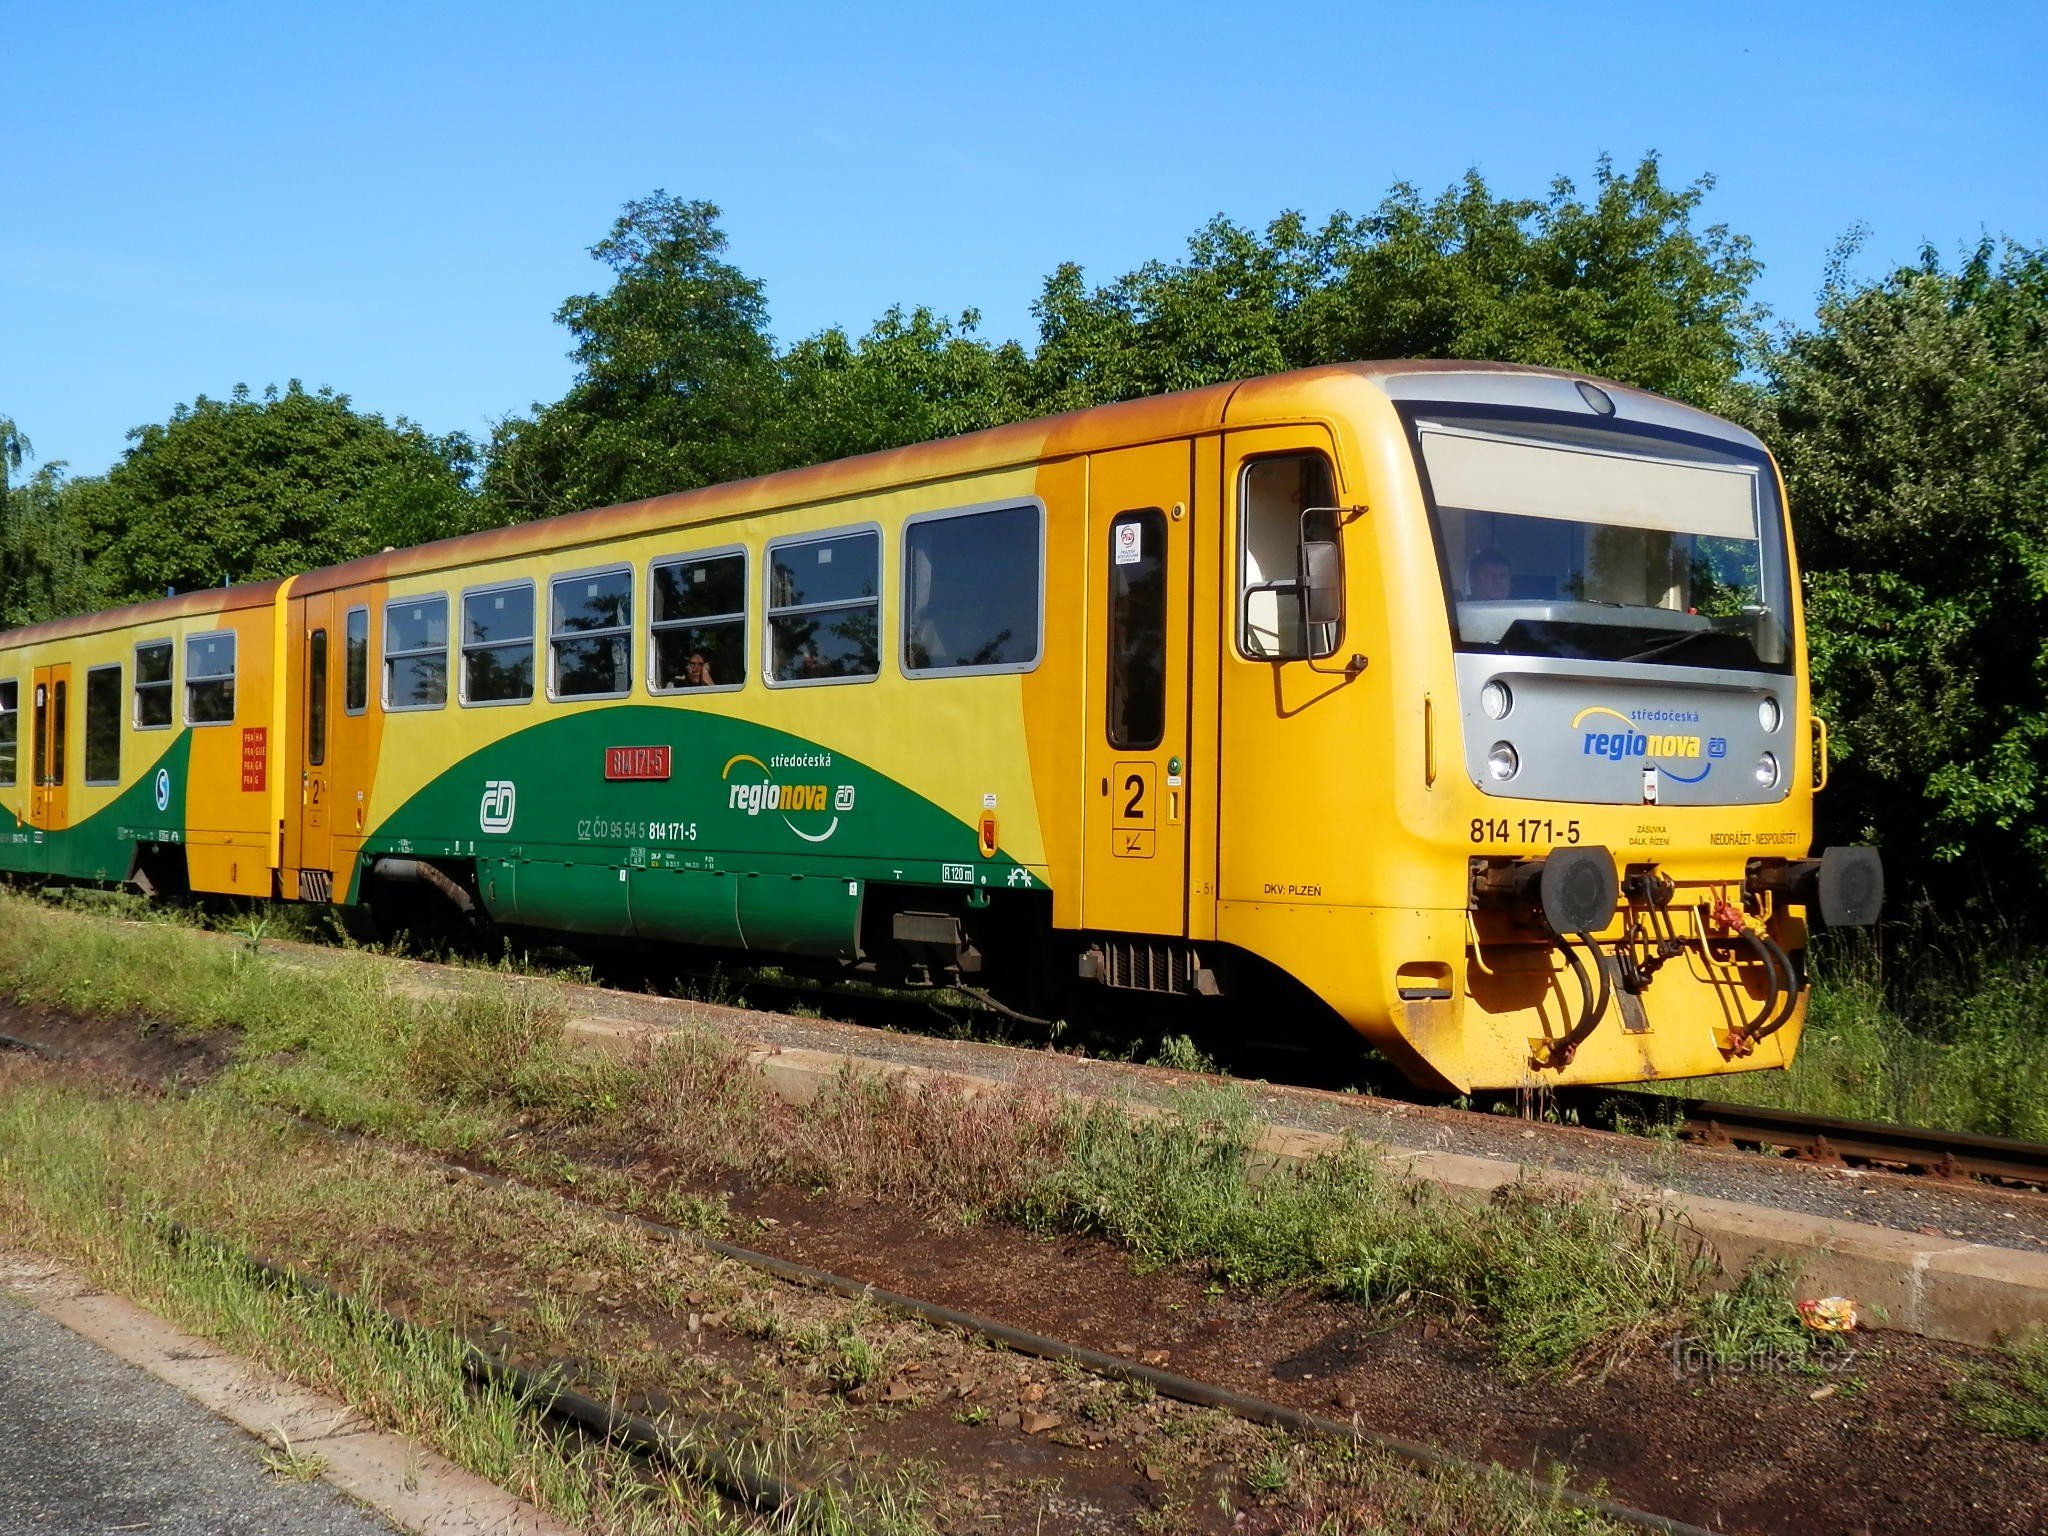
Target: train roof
{"points": [[1211, 408], [1187, 412], [204, 603]]}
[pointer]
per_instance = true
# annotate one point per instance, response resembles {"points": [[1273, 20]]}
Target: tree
{"points": [[44, 572], [1621, 285], [913, 377], [1912, 422], [247, 488], [676, 379]]}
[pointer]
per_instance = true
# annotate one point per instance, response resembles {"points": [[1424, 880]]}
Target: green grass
{"points": [[1560, 1280], [1921, 1030], [2013, 1402]]}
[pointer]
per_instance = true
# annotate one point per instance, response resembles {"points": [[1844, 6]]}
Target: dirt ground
{"points": [[1867, 1442]]}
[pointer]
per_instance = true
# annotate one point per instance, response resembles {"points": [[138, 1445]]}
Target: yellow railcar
{"points": [[1463, 700]]}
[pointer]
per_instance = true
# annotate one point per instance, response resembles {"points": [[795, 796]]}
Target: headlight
{"points": [[1503, 762], [1496, 700], [1767, 771], [1768, 715]]}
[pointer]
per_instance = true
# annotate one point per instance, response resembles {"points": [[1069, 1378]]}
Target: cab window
{"points": [[1284, 502]]}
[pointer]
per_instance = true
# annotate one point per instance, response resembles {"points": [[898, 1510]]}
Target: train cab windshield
{"points": [[1605, 543]]}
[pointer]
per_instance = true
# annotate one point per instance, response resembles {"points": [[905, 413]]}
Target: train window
{"points": [[56, 729], [152, 685], [316, 697], [210, 678], [590, 635], [1137, 630], [825, 608], [497, 645], [971, 591], [10, 731], [416, 653], [697, 627], [1282, 503], [355, 679], [103, 725]]}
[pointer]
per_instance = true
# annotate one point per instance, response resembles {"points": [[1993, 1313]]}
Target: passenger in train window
{"points": [[697, 672], [1489, 578]]}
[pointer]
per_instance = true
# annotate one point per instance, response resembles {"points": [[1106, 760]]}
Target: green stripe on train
{"points": [[663, 823], [102, 846]]}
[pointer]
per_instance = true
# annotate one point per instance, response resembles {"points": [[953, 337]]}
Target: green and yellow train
{"points": [[1468, 699]]}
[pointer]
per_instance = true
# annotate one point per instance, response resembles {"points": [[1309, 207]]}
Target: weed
{"points": [[292, 1466], [2017, 1406], [1181, 1054]]}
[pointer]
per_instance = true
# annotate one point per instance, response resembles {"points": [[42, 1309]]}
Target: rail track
{"points": [[1825, 1139]]}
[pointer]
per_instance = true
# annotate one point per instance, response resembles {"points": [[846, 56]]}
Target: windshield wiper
{"points": [[1679, 643]]}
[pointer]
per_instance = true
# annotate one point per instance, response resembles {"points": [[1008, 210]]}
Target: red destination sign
{"points": [[255, 758], [636, 762]]}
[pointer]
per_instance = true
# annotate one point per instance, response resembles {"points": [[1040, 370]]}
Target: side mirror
{"points": [[1322, 582]]}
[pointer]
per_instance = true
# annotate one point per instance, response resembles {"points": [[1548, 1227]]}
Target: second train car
{"points": [[1466, 700]]}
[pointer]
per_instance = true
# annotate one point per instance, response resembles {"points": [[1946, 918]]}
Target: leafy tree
{"points": [[1621, 285], [913, 377], [676, 380], [44, 572], [247, 488], [1913, 426]]}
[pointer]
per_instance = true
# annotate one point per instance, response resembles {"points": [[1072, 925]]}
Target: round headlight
{"points": [[1496, 700], [1503, 762], [1767, 771], [1768, 715]]}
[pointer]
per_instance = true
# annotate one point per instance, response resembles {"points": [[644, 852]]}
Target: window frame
{"points": [[85, 777], [369, 662], [654, 628], [389, 655], [463, 648], [1036, 505], [629, 629], [1245, 588], [169, 685], [233, 676], [770, 613], [1113, 616], [13, 777]]}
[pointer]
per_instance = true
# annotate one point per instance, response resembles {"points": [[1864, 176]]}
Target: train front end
{"points": [[1622, 736]]}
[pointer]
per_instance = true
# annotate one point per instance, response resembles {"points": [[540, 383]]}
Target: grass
{"points": [[97, 1180], [1929, 1029], [1561, 1281], [2014, 1402]]}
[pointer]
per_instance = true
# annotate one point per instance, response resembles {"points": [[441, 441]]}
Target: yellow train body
{"points": [[1212, 766]]}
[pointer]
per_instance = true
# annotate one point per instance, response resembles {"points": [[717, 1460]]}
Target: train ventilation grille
{"points": [[1148, 965], [316, 885]]}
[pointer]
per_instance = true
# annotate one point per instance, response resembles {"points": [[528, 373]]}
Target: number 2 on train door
{"points": [[1136, 815]]}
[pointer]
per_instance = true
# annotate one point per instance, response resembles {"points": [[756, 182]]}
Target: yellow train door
{"points": [[49, 805], [1140, 556], [315, 683]]}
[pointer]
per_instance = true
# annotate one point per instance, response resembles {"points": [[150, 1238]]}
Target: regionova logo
{"points": [[1629, 742], [753, 786]]}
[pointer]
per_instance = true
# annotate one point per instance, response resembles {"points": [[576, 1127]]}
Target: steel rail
{"points": [[1186, 1389], [1830, 1138]]}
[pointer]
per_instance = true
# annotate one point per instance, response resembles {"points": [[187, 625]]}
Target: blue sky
{"points": [[393, 199]]}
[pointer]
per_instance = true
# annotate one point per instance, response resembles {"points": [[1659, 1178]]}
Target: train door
{"points": [[49, 805], [316, 688], [1140, 558]]}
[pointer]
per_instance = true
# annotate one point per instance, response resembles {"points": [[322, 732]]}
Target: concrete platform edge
{"points": [[402, 1480]]}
